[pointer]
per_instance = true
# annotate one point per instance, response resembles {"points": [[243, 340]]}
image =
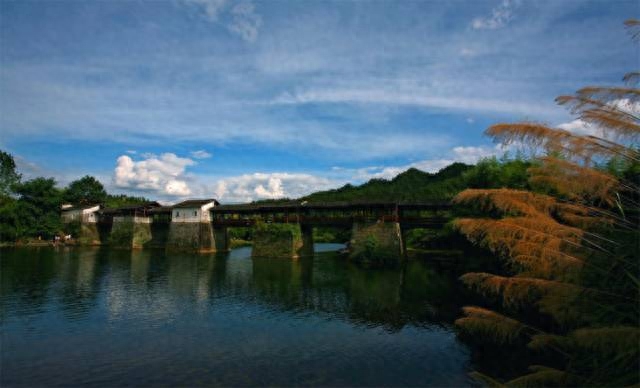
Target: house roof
{"points": [[80, 207], [193, 203]]}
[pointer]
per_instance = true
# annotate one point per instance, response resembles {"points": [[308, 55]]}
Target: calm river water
{"points": [[71, 316]]}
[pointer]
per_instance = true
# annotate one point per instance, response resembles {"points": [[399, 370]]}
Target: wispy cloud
{"points": [[240, 18], [200, 154], [500, 16], [413, 96], [211, 9], [245, 21]]}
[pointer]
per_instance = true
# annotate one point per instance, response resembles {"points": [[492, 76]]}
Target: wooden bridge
{"points": [[378, 226], [336, 214]]}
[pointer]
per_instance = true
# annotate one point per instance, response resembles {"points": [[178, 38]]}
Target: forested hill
{"points": [[412, 185]]}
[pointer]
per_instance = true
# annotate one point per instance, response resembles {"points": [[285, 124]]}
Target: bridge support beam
{"points": [[279, 240], [191, 236], [403, 236], [159, 235], [307, 240], [221, 237], [379, 243]]}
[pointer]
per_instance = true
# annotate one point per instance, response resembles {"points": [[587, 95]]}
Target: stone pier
{"points": [[159, 235], [307, 240], [377, 243], [221, 239], [130, 232], [89, 234], [281, 240], [191, 236], [85, 233]]}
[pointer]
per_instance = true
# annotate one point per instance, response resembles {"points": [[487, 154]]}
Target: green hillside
{"points": [[412, 185]]}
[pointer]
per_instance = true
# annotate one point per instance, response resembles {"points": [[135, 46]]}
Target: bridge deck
{"points": [[291, 207], [339, 214]]}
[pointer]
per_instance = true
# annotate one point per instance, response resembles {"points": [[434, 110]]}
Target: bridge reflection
{"points": [[160, 286]]}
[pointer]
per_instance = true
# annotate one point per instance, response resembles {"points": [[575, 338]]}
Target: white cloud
{"points": [[132, 152], [241, 18], [177, 188], [249, 187], [500, 16], [580, 127], [274, 189], [200, 154], [163, 175]]}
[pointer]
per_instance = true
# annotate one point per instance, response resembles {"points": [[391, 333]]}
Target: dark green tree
{"points": [[8, 175], [8, 218], [38, 208], [84, 191]]}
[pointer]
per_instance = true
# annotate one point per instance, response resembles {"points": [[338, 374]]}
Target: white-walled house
{"points": [[85, 214], [193, 210]]}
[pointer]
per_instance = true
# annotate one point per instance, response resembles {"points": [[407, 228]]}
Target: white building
{"points": [[193, 210], [85, 214]]}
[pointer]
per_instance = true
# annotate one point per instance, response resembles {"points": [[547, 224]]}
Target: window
{"points": [[195, 213], [177, 214]]}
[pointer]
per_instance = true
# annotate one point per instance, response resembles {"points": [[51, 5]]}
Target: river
{"points": [[102, 317]]}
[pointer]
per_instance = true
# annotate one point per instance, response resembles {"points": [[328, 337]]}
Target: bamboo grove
{"points": [[568, 287]]}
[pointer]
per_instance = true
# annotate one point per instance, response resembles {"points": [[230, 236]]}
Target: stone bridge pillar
{"points": [[130, 232], [191, 236], [403, 235], [221, 237], [282, 240], [377, 243], [307, 240]]}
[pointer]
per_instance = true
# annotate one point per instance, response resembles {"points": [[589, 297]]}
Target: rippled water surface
{"points": [[71, 316]]}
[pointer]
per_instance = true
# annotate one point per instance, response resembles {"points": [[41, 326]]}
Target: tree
{"points": [[85, 191], [8, 218], [8, 175], [571, 248], [38, 208]]}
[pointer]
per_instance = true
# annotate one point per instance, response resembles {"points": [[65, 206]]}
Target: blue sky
{"points": [[245, 100]]}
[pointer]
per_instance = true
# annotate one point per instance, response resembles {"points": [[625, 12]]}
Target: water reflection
{"points": [[224, 319]]}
